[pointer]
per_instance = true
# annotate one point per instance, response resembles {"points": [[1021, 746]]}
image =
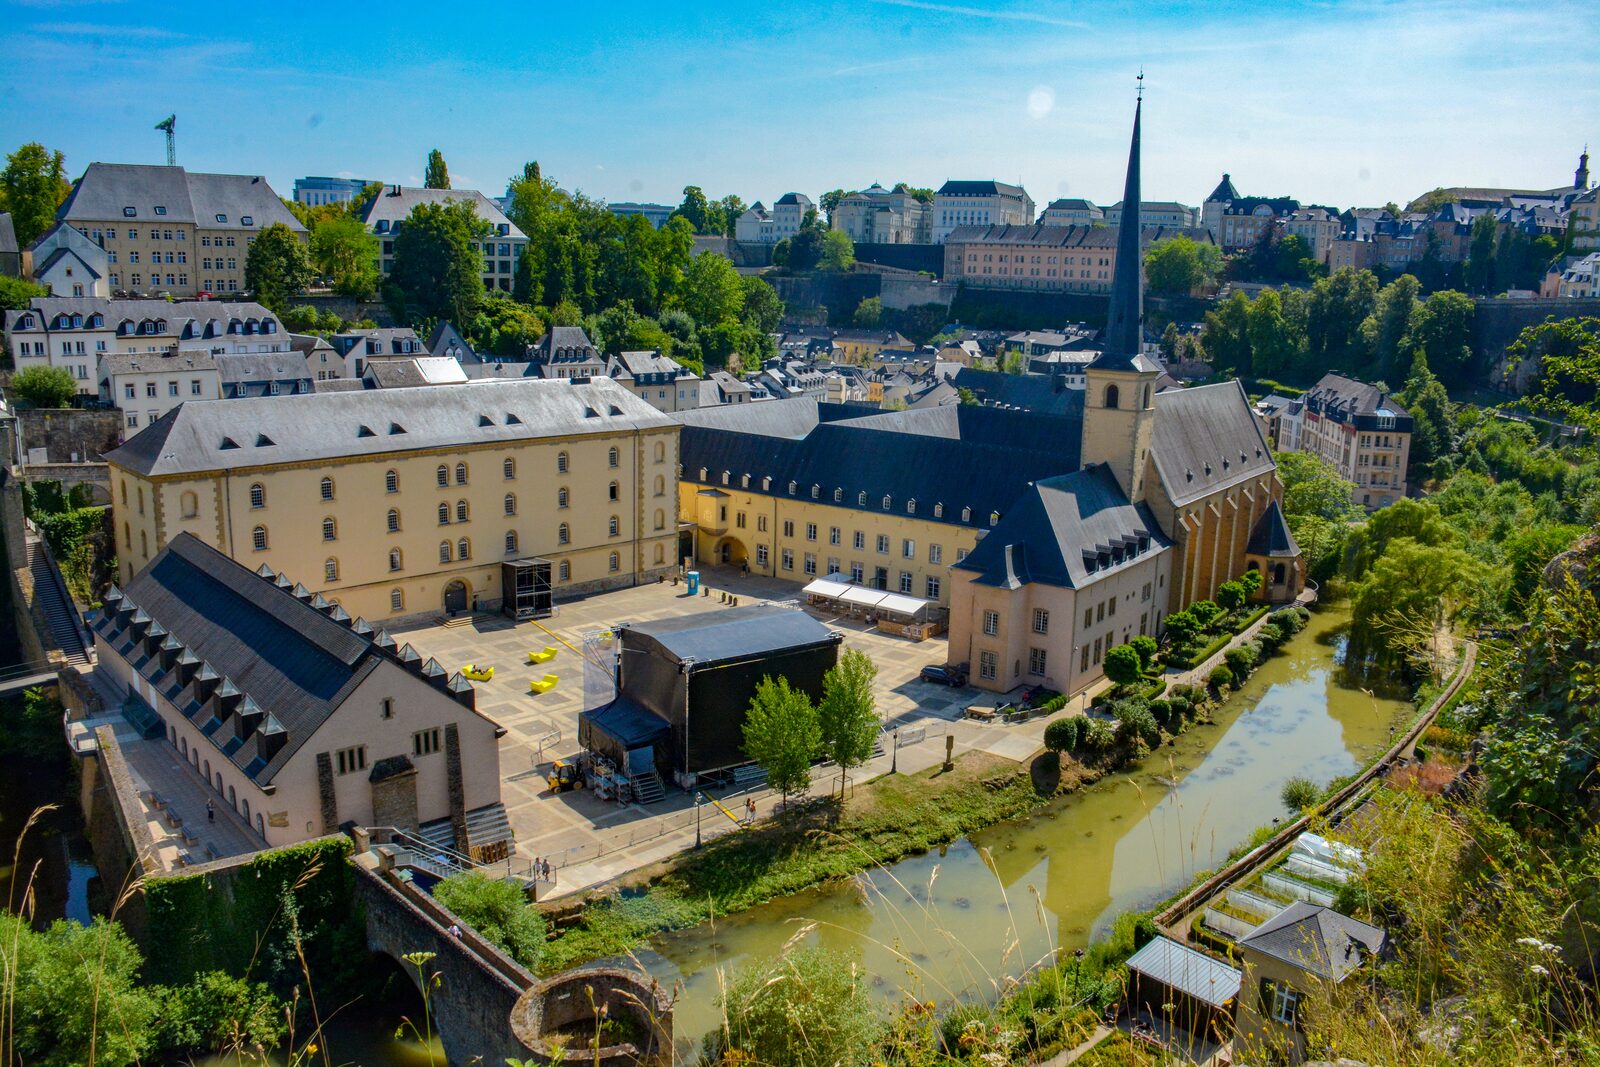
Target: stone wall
{"points": [[839, 293], [1498, 322], [70, 435], [914, 290], [346, 308], [906, 257]]}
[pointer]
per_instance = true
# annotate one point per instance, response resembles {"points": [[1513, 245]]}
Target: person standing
{"points": [[211, 812]]}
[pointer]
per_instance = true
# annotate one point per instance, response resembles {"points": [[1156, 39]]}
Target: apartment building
{"points": [[405, 502], [1583, 221], [146, 386], [1071, 259], [1361, 431], [979, 203], [1071, 212], [76, 334], [1318, 227], [1157, 213], [167, 231], [501, 247], [660, 381], [69, 263], [875, 215]]}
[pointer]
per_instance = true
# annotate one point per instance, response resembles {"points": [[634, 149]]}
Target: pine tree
{"points": [[437, 175]]}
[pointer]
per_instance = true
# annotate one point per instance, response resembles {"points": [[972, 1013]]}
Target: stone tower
{"points": [[1119, 403], [1580, 179]]}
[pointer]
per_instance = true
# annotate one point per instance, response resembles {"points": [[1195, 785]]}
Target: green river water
{"points": [[955, 923]]}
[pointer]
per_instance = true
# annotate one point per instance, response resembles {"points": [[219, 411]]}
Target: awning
{"points": [[831, 586], [626, 724], [862, 596], [901, 604], [1186, 970]]}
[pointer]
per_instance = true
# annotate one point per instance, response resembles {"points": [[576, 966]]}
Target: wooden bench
{"points": [[545, 684], [212, 853]]}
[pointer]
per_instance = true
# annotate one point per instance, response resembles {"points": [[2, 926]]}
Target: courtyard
{"points": [[588, 840]]}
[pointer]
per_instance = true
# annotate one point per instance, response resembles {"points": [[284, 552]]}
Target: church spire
{"points": [[1580, 180], [1124, 334]]}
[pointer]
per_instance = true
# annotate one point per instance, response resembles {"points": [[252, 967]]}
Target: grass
{"points": [[893, 817], [1120, 1050]]}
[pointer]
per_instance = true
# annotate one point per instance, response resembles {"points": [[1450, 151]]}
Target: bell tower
{"points": [[1119, 403]]}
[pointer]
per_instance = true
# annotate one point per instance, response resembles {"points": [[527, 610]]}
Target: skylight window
{"points": [[222, 218], [247, 220], [365, 431], [263, 441], [228, 442], [395, 427], [160, 210], [129, 212]]}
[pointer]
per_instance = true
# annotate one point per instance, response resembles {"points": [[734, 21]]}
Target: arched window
{"points": [[661, 519], [443, 475], [661, 485], [246, 803], [614, 527], [612, 457], [661, 452], [396, 560], [461, 474], [330, 570], [394, 521], [464, 549], [614, 563], [261, 825], [911, 507], [511, 542], [561, 463], [562, 497], [233, 798], [1278, 574], [461, 511], [258, 495], [444, 513], [1111, 396], [661, 555], [563, 534], [511, 503], [612, 492], [124, 494], [208, 770], [725, 476], [183, 747], [887, 502], [994, 517], [564, 572], [397, 600], [444, 551], [391, 482], [144, 543], [190, 504], [510, 468], [258, 538], [127, 537], [330, 530], [327, 488]]}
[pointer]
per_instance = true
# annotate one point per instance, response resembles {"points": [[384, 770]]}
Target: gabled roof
{"points": [[1271, 536], [1066, 531], [1207, 438], [980, 188], [57, 256], [262, 367], [1352, 396], [565, 344], [107, 189], [1316, 939], [1224, 190], [396, 202]]}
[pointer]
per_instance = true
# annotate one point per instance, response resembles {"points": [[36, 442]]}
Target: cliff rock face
{"points": [[1576, 561]]}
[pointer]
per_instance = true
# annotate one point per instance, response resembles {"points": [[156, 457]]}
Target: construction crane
{"points": [[169, 124]]}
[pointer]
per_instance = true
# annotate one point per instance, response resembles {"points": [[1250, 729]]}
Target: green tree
{"points": [[809, 1008], [1182, 626], [437, 175], [1414, 584], [45, 387], [438, 269], [497, 910], [1429, 404], [1566, 354], [1226, 336], [32, 186], [1415, 520], [218, 1013], [830, 202], [696, 209], [1180, 265], [1062, 735], [847, 715], [1335, 310], [1122, 665], [73, 995], [713, 291], [1145, 647], [1386, 333], [1443, 331], [763, 308], [1230, 596], [838, 252], [347, 255], [783, 734], [16, 294], [1478, 272], [1274, 346], [1312, 486], [277, 266], [868, 313], [505, 327]]}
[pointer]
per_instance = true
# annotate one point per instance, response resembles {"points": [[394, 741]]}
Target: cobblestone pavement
{"points": [[590, 840]]}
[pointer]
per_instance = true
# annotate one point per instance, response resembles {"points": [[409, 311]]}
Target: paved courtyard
{"points": [[590, 840]]}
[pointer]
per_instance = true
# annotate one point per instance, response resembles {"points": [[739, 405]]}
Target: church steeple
{"points": [[1124, 334], [1580, 180]]}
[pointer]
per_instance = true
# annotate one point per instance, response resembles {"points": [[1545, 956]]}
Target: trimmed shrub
{"points": [[1122, 665], [1063, 734], [1204, 611], [1146, 647], [1242, 659], [1192, 695], [1300, 793], [1220, 677], [1134, 720], [1098, 735], [1270, 636], [1288, 620]]}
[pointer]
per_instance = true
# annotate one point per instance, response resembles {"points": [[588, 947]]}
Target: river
{"points": [[954, 924]]}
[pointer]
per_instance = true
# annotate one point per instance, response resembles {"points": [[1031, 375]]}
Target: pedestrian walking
{"points": [[211, 812], [455, 931], [547, 870], [535, 867]]}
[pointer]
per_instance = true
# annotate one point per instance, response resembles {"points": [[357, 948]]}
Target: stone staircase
{"points": [[50, 593]]}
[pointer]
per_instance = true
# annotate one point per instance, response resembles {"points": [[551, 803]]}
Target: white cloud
{"points": [[1041, 101]]}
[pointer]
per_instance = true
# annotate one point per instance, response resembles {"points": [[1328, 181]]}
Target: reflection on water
{"points": [[956, 923], [53, 865]]}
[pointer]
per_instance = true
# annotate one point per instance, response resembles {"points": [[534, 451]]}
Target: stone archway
{"points": [[729, 551], [456, 596]]}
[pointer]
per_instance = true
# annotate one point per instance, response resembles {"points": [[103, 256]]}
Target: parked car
{"points": [[944, 674]]}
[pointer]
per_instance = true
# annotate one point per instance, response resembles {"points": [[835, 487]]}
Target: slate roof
{"points": [[1207, 438], [1072, 204], [565, 344], [737, 633], [1046, 235], [57, 256], [388, 338], [107, 188], [1067, 531], [1030, 392], [395, 203], [1350, 396], [1271, 536], [1224, 189], [186, 319], [1187, 970], [213, 435], [980, 188], [650, 362], [798, 199], [960, 457], [169, 362], [262, 367], [1316, 939]]}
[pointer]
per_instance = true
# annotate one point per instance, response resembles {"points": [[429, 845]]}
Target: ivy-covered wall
{"points": [[248, 918]]}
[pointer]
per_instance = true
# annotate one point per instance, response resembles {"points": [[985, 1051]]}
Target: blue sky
{"points": [[1336, 102]]}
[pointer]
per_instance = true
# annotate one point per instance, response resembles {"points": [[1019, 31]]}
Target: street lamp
{"points": [[698, 797], [894, 757]]}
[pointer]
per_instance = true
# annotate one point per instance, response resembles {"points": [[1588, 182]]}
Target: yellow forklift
{"points": [[564, 776]]}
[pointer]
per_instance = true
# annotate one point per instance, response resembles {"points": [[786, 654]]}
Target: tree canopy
{"points": [[277, 267], [1178, 266], [783, 734], [438, 269], [346, 254], [32, 186], [848, 716], [45, 387], [437, 175]]}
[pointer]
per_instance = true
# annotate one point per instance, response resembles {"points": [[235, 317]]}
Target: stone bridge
{"points": [[486, 1007], [97, 476]]}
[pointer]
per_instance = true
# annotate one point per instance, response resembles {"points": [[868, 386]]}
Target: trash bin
{"points": [[694, 582]]}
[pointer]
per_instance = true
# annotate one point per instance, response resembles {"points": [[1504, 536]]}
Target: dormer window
{"points": [[383, 226], [222, 218], [160, 210], [247, 220], [129, 213]]}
